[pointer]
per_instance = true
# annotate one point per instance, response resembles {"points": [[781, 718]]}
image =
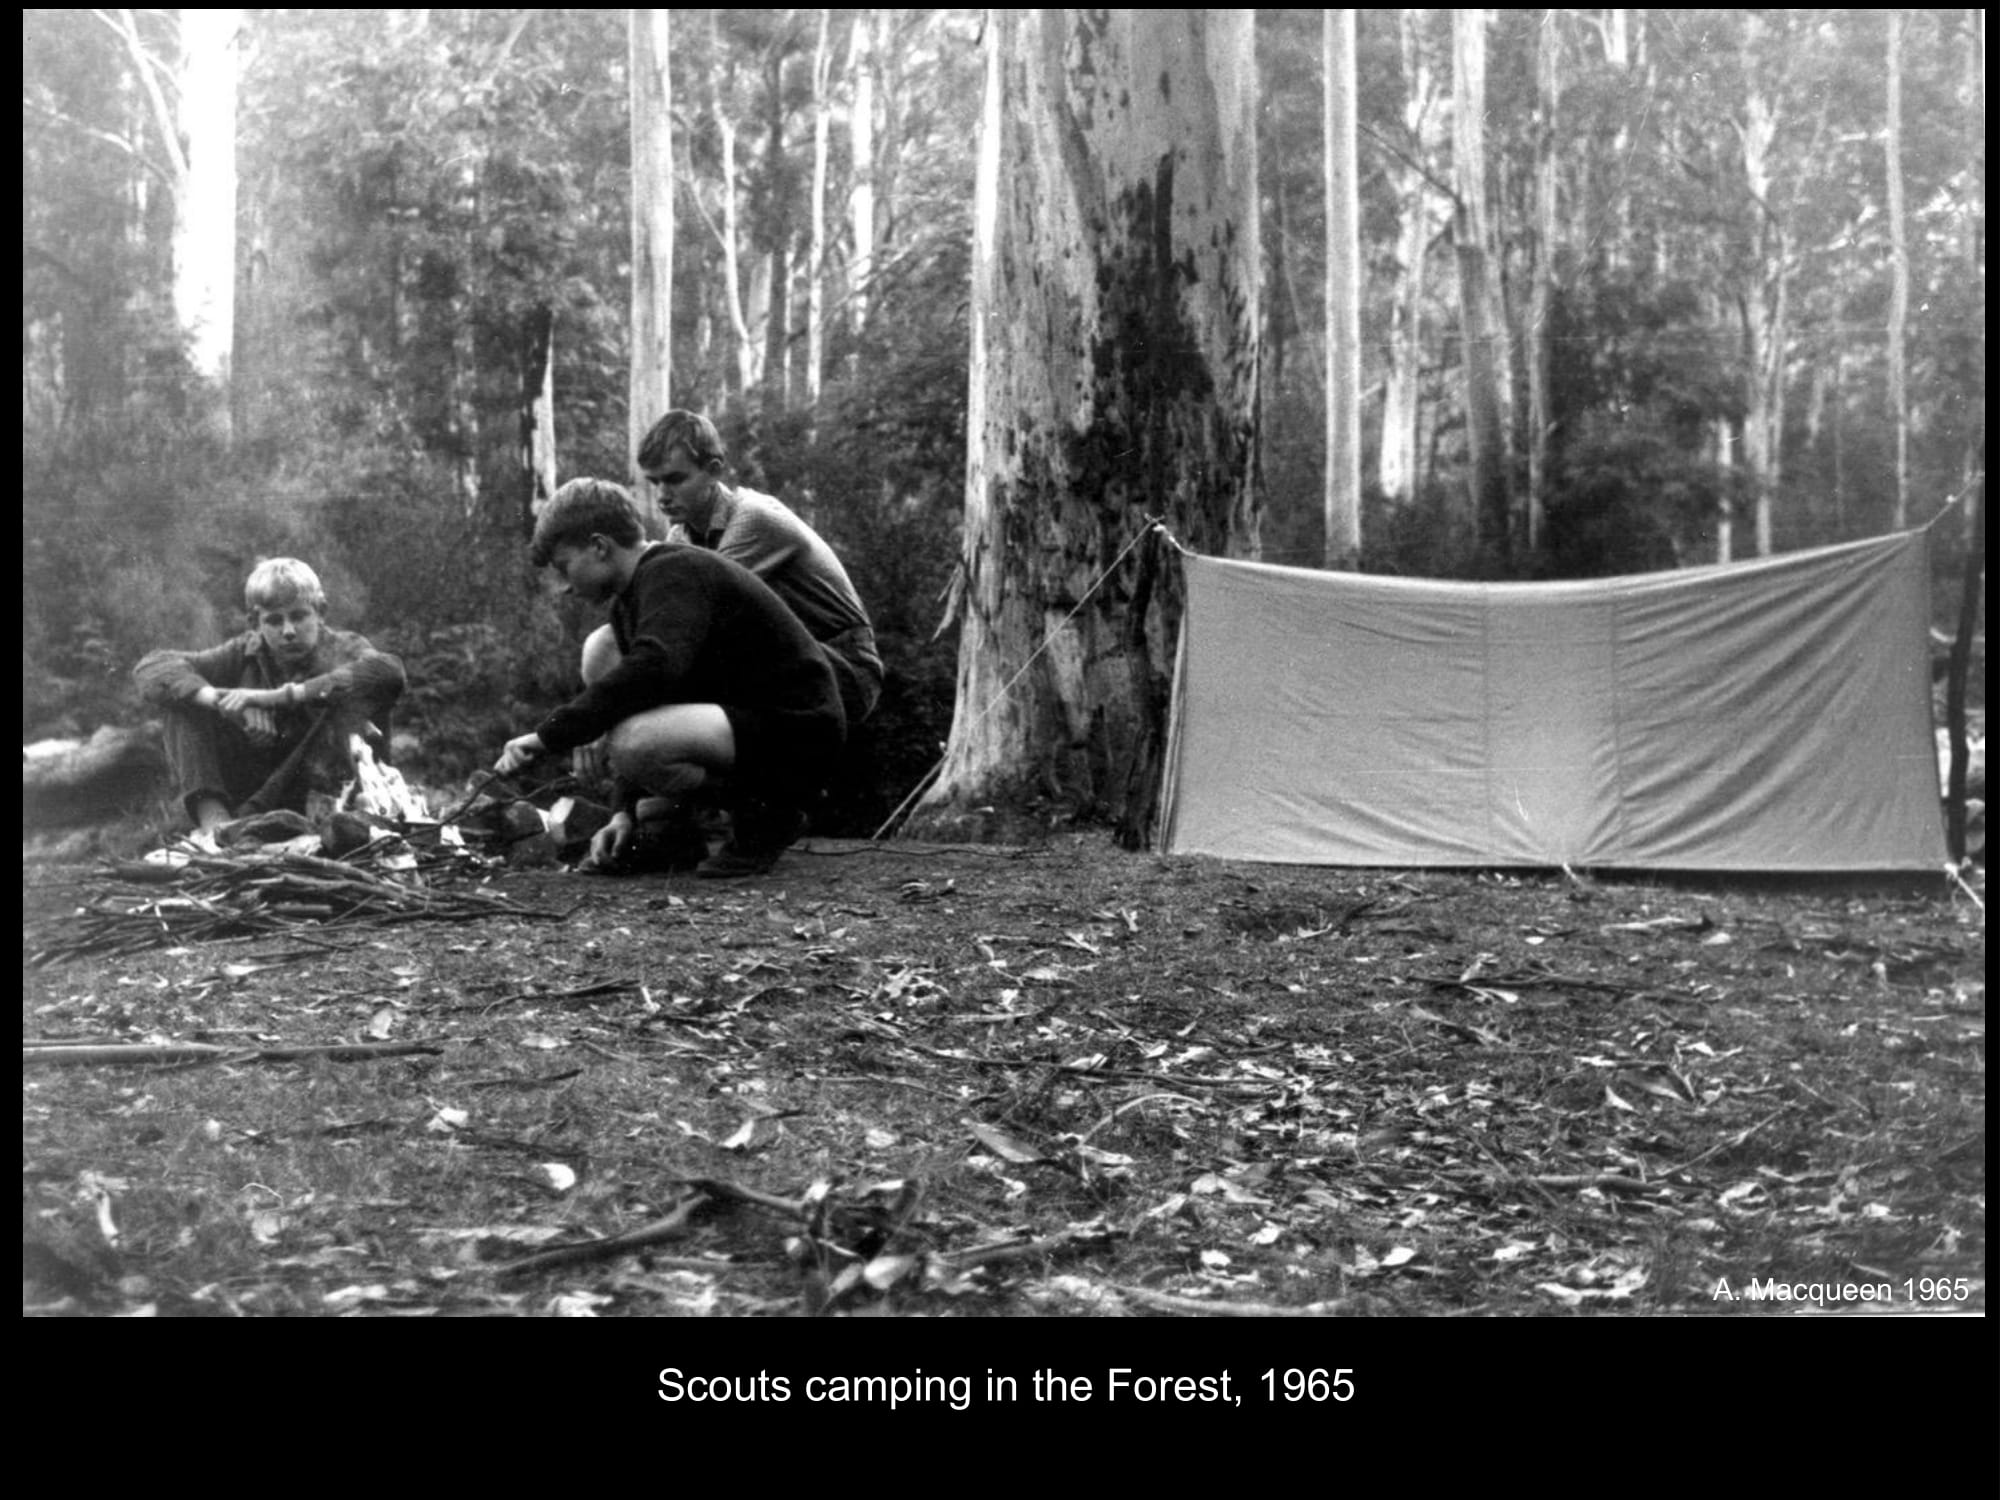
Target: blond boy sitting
{"points": [[256, 723]]}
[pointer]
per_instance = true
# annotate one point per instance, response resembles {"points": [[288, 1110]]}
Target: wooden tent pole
{"points": [[1961, 657]]}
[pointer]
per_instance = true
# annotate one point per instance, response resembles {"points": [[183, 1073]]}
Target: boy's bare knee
{"points": [[600, 653], [624, 748], [644, 763]]}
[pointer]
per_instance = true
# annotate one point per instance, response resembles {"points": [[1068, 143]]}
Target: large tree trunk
{"points": [[1343, 298], [1114, 377], [1483, 330], [651, 374]]}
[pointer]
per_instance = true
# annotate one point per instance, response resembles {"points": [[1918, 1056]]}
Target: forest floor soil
{"points": [[1053, 1080]]}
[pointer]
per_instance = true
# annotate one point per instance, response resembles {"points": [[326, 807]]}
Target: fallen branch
{"points": [[717, 1187], [1724, 1145], [119, 1054], [986, 1255], [1199, 1307], [1508, 1174], [672, 1227], [1612, 1180], [566, 998]]}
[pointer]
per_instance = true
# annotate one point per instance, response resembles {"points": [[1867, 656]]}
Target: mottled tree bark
{"points": [[1402, 405], [1114, 377]]}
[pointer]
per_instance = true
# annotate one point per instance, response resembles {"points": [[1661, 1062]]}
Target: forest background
{"points": [[1737, 305]]}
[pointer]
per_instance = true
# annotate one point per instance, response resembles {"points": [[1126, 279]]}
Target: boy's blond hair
{"points": [[278, 581]]}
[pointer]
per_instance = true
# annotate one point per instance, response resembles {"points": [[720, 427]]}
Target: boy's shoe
{"points": [[661, 847], [265, 828], [762, 832]]}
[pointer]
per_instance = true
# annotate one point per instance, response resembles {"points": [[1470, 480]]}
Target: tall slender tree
{"points": [[864, 63], [192, 101], [1541, 292], [1899, 270], [1483, 313], [816, 247], [1343, 296], [652, 229], [1416, 199]]}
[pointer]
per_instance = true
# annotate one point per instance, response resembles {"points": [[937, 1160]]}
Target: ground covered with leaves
{"points": [[918, 1080]]}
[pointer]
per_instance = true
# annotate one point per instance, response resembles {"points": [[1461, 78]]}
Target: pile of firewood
{"points": [[138, 906]]}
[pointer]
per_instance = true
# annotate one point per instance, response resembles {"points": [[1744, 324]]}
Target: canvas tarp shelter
{"points": [[1767, 715]]}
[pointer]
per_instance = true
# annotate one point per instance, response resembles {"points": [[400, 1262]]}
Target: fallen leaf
{"points": [[884, 1271], [1743, 1195], [351, 1296], [557, 1176], [1215, 1182], [1002, 1145]]}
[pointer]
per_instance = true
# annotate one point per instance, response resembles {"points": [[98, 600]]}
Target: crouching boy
{"points": [[713, 677], [256, 723]]}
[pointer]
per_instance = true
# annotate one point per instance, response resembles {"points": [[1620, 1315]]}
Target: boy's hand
{"points": [[607, 845], [261, 725], [236, 702], [518, 752]]}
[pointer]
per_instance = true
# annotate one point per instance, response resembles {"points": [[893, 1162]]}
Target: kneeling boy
{"points": [[256, 723], [713, 676]]}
